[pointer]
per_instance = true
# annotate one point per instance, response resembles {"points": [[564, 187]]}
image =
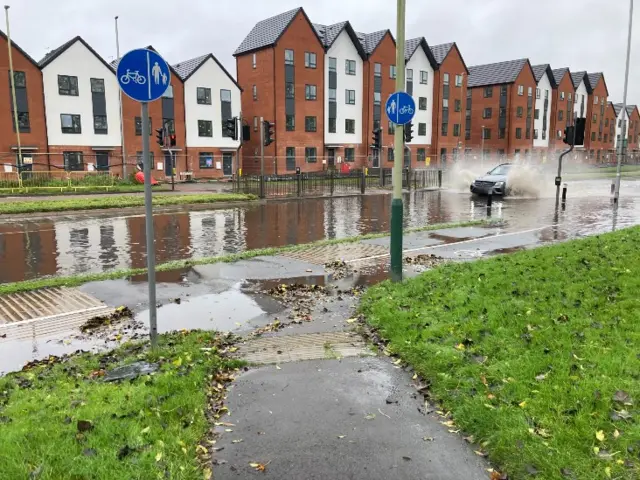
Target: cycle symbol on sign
{"points": [[405, 110], [134, 77]]}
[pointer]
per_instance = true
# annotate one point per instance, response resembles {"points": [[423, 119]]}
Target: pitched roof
{"points": [[329, 33], [594, 78], [540, 70], [558, 74], [114, 64], [618, 108], [441, 51], [496, 73], [188, 67], [370, 41], [412, 45], [631, 108], [17, 47], [55, 53], [577, 77]]}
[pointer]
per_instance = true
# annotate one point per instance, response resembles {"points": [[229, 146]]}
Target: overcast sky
{"points": [[583, 35]]}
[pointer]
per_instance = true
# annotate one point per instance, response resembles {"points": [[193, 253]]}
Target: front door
{"points": [[168, 163], [227, 164], [331, 154], [407, 157], [102, 161], [443, 157], [376, 158]]}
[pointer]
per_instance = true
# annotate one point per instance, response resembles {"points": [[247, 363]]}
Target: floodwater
{"points": [[91, 243]]}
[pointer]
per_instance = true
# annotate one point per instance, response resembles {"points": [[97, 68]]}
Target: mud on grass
{"points": [[59, 419], [535, 354]]}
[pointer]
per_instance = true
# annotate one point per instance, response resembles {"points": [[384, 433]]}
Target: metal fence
{"points": [[57, 180], [333, 183]]}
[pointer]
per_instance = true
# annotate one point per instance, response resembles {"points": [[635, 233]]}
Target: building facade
{"points": [[211, 97], [561, 108], [30, 107], [81, 95], [542, 132], [595, 129]]}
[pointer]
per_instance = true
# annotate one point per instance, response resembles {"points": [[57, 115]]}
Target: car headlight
{"points": [[499, 184]]}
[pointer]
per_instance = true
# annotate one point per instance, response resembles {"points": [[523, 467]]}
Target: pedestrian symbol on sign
{"points": [[392, 108]]}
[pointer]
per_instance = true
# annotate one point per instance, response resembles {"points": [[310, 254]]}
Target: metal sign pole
{"points": [[151, 255]]}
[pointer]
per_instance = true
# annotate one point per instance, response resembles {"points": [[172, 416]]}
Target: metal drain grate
{"points": [[329, 253], [309, 346], [46, 312]]}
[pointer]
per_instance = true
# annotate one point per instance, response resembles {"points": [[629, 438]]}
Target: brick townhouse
{"points": [[543, 111], [450, 93], [501, 109], [629, 116], [634, 131], [82, 109], [610, 130], [580, 105], [30, 107], [594, 131], [561, 109]]}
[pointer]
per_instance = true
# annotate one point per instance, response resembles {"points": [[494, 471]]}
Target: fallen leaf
{"points": [[428, 439], [158, 456], [541, 377], [460, 347], [177, 362], [415, 376], [398, 361], [600, 435], [491, 396], [207, 474], [483, 379], [495, 475], [352, 320], [278, 367], [228, 430], [448, 423], [239, 440], [616, 434], [224, 424], [567, 472], [469, 439], [89, 452], [370, 416], [480, 452], [341, 436], [258, 466], [406, 458], [607, 472], [531, 470], [233, 349], [200, 448], [145, 430], [491, 407], [621, 415], [522, 404], [84, 425], [622, 397]]}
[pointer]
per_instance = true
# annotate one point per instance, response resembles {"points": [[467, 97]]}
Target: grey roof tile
{"points": [[539, 70], [618, 107], [410, 46], [577, 77], [441, 51], [50, 56], [266, 32], [495, 73], [630, 109], [558, 74], [370, 41], [329, 33], [594, 78], [186, 68]]}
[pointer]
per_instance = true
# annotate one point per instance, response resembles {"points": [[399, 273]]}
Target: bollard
{"points": [[261, 186], [363, 181], [440, 178], [299, 181], [564, 193], [489, 202]]}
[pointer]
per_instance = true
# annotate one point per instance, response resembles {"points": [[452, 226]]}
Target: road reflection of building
{"points": [[172, 242], [27, 251]]}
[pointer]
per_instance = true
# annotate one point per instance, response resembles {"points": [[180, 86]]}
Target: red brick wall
{"points": [[453, 65], [200, 173], [566, 86], [37, 137], [634, 130], [598, 144], [263, 77], [526, 79], [478, 104], [56, 158], [610, 119]]}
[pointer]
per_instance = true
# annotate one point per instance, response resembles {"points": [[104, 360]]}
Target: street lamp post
{"points": [[482, 148], [623, 135]]}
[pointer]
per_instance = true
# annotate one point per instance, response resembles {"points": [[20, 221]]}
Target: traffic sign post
{"points": [[144, 76], [400, 109]]}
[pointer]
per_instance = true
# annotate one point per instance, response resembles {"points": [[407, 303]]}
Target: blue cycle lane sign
{"points": [[400, 108], [143, 75]]}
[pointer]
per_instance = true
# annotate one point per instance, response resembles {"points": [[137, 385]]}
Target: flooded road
{"points": [[90, 243]]}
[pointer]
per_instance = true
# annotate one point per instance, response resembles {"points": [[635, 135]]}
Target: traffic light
{"points": [[160, 136], [377, 140], [581, 123], [172, 140], [408, 132], [231, 128], [268, 133], [568, 135]]}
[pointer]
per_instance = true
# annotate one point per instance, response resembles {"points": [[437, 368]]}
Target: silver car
{"points": [[494, 181]]}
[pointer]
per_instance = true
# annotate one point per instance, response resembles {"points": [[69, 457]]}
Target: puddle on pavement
{"points": [[447, 239], [500, 251]]}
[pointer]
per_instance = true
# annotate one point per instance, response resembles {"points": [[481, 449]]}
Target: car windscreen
{"points": [[500, 170]]}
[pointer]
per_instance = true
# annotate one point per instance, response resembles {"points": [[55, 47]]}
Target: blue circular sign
{"points": [[400, 108], [143, 75]]}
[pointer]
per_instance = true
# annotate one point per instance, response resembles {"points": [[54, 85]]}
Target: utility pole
{"points": [[13, 90], [623, 134], [124, 153], [396, 203]]}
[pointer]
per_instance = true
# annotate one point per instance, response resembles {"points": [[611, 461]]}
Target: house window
{"points": [[445, 103], [68, 85], [537, 93], [422, 155], [291, 158], [424, 77], [225, 95], [205, 160], [569, 99], [409, 75], [518, 133], [519, 112], [488, 92], [73, 161], [422, 129], [606, 122], [205, 128], [502, 112], [288, 57], [255, 124], [560, 115], [100, 124], [486, 113], [350, 97], [561, 95], [350, 155], [486, 133], [19, 79], [593, 136], [97, 85], [169, 125], [391, 129], [528, 133], [536, 114], [445, 129], [203, 95], [457, 105], [390, 156], [332, 95], [70, 123], [289, 90], [332, 125], [456, 129], [503, 91], [544, 134], [349, 126], [594, 119], [310, 60], [350, 67], [559, 133], [290, 122], [23, 122], [458, 80], [529, 91], [20, 84], [253, 60], [445, 79], [310, 155], [255, 92], [310, 92], [310, 124], [606, 137], [595, 100], [333, 63], [502, 133], [376, 98], [138, 123], [422, 103], [377, 69], [520, 90], [535, 133], [392, 71], [546, 94]]}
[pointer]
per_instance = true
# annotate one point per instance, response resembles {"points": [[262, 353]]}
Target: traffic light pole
{"points": [[559, 176], [396, 203], [151, 256]]}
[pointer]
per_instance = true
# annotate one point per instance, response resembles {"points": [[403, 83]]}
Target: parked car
{"points": [[495, 180]]}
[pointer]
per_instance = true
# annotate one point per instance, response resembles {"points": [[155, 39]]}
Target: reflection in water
{"points": [[82, 244]]}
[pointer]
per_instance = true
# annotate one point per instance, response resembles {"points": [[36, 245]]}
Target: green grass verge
{"points": [[528, 350], [74, 280], [146, 428], [121, 201], [52, 191]]}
